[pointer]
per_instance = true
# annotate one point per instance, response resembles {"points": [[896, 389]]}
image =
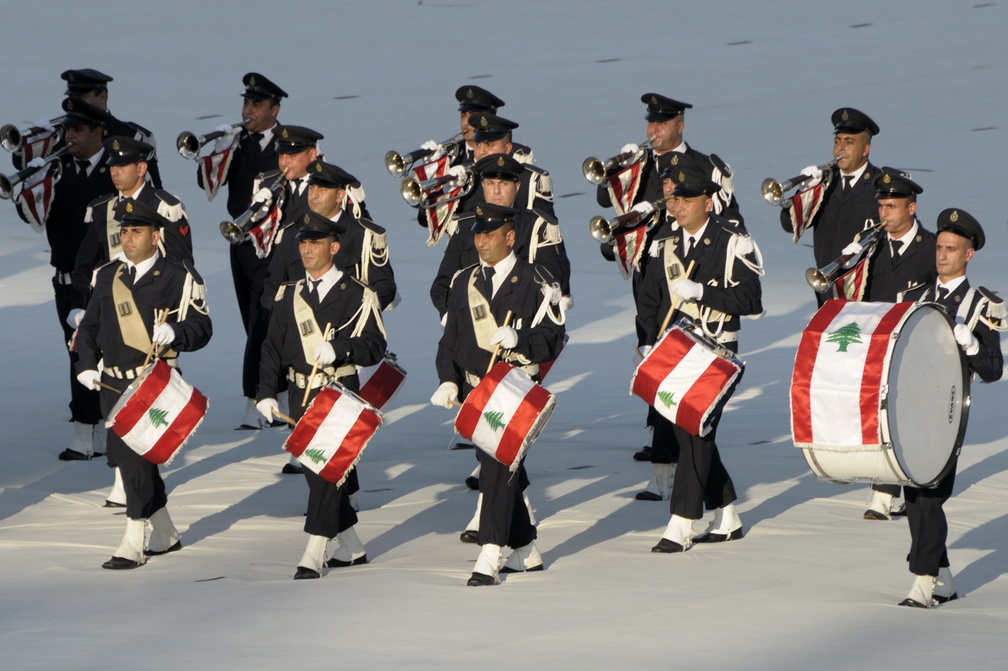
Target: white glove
{"points": [[396, 300], [855, 248], [73, 319], [431, 145], [505, 336], [965, 338], [263, 195], [44, 124], [324, 354], [688, 290], [225, 141], [643, 208], [551, 292], [267, 407], [814, 174], [458, 172], [445, 395], [226, 128], [566, 303], [89, 378], [36, 163], [164, 335], [634, 150]]}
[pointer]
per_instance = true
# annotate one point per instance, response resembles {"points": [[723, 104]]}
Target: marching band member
{"points": [[85, 177], [839, 214], [119, 328], [500, 283], [900, 263], [252, 150], [979, 319], [296, 341], [724, 285]]}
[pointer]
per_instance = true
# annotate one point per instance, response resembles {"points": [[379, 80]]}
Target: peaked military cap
{"points": [[476, 99], [330, 176], [295, 139], [131, 212], [80, 82], [850, 120], [674, 161], [961, 223], [499, 166], [124, 150], [490, 127], [893, 183], [691, 183], [313, 226], [663, 108], [80, 112], [491, 217], [259, 88]]}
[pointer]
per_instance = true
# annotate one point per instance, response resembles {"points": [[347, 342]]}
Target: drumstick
{"points": [[493, 359], [286, 418], [308, 386], [154, 346], [675, 301], [107, 386]]}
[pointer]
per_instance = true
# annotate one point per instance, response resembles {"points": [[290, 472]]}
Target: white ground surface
{"points": [[812, 584]]}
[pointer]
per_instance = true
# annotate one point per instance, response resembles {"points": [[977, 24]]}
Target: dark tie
{"points": [[942, 294], [313, 289], [847, 182], [132, 276], [256, 147], [488, 273], [688, 245], [895, 249], [82, 167]]}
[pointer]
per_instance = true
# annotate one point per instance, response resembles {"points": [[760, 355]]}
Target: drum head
{"points": [[928, 392]]}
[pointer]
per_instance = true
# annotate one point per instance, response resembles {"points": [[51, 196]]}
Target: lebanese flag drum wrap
{"points": [[505, 413], [332, 434], [379, 383], [687, 380], [158, 413]]}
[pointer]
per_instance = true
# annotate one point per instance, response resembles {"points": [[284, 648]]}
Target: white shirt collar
{"points": [[951, 286], [856, 174], [329, 280], [501, 270], [143, 266], [906, 237]]}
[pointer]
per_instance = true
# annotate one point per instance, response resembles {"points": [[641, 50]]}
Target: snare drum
{"points": [[880, 393], [379, 383], [505, 413], [687, 378]]}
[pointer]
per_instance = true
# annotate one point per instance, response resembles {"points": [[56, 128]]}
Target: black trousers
{"points": [[84, 404], [700, 478], [928, 526], [248, 272], [664, 442], [504, 518], [329, 509], [145, 490]]}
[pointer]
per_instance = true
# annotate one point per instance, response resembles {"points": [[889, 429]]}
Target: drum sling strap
{"points": [[312, 336], [483, 320], [707, 317], [131, 324]]}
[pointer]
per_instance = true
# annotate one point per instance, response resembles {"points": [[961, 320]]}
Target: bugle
{"points": [[603, 230], [594, 170], [190, 144], [773, 191], [417, 193], [8, 182], [235, 231], [397, 163], [12, 139], [821, 279]]}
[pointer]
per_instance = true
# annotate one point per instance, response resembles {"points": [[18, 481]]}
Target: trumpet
{"points": [[594, 170], [604, 230], [397, 163], [13, 139], [417, 194], [773, 191], [8, 182], [235, 231], [190, 144], [821, 279]]}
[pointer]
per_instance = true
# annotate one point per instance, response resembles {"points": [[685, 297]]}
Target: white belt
{"points": [[321, 378]]}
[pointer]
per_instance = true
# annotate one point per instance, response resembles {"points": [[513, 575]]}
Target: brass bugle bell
{"points": [[235, 231], [13, 139], [594, 170], [417, 193], [773, 191], [396, 164], [821, 279], [190, 144], [8, 182], [603, 230]]}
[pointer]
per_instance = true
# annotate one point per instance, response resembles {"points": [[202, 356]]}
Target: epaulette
{"points": [[89, 214], [543, 274], [536, 169], [172, 211], [363, 284], [144, 134], [996, 311], [371, 226], [460, 271], [720, 165], [283, 288], [545, 217]]}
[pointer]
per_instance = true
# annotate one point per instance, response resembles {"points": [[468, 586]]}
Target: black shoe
{"points": [[913, 603], [277, 423], [303, 573], [339, 563], [291, 469], [648, 496], [644, 454], [463, 446], [247, 427], [480, 579], [507, 569], [472, 483], [468, 537], [719, 538], [95, 455], [113, 504], [898, 512], [666, 546], [73, 455], [875, 515], [158, 553], [120, 564], [945, 599]]}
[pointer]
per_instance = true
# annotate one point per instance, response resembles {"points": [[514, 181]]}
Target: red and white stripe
{"points": [[835, 394], [623, 186], [804, 206], [379, 383], [214, 170]]}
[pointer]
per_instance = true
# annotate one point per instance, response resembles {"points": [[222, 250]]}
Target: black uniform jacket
{"points": [[915, 266]]}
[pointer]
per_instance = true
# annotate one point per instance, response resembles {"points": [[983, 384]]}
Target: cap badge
{"points": [[318, 167], [469, 94], [69, 104], [654, 100], [483, 121], [129, 207], [307, 218], [845, 116], [284, 134], [954, 217], [70, 77], [887, 178], [479, 211], [115, 144], [682, 176], [500, 161], [252, 81]]}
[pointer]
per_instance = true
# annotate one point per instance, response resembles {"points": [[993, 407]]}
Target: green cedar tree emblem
{"points": [[316, 455], [157, 417], [845, 335], [494, 419], [668, 398]]}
